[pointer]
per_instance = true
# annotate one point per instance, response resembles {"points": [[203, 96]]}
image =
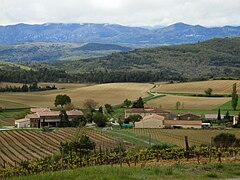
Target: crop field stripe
{"points": [[11, 153], [42, 143], [35, 145], [42, 138], [6, 150], [22, 147], [35, 151]]}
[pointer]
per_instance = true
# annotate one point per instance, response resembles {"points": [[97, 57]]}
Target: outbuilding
{"points": [[22, 123], [151, 121]]}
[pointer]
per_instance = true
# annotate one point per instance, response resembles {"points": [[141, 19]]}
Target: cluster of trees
{"points": [[98, 115], [53, 75], [26, 88]]}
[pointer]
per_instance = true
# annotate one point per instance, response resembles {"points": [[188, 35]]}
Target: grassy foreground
{"points": [[177, 171]]}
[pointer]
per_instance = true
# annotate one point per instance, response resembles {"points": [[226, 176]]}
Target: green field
{"points": [[176, 171]]}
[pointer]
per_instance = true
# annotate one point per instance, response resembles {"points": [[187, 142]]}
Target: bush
{"points": [[226, 140]]}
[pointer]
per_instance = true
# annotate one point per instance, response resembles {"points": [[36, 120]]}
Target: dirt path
{"points": [[132, 137]]}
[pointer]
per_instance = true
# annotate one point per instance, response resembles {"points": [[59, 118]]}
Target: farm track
{"points": [[26, 145]]}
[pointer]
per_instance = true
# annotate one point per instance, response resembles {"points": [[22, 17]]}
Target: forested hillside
{"points": [[216, 57], [49, 52], [203, 60]]}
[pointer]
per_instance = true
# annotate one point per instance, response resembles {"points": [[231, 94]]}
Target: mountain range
{"points": [[178, 33]]}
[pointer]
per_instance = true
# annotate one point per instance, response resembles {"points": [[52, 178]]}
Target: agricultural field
{"points": [[177, 136], [203, 103], [218, 86], [20, 145], [113, 93]]}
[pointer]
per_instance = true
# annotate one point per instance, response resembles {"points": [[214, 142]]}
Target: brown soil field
{"points": [[22, 145], [218, 86], [204, 103], [113, 93], [177, 136]]}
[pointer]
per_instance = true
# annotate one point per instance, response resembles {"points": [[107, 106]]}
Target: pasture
{"points": [[113, 93], [203, 103], [218, 86]]}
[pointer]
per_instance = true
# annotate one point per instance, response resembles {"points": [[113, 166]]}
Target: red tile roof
{"points": [[153, 116], [142, 110]]}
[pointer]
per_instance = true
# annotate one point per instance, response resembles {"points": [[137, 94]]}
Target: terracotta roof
{"points": [[74, 113], [21, 120], [40, 110], [181, 122], [142, 110], [51, 113], [56, 113], [153, 116], [31, 116], [190, 113]]}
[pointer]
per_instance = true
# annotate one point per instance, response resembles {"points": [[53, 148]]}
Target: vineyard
{"points": [[177, 136], [27, 145]]}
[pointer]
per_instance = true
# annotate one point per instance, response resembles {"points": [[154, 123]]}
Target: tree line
{"points": [[26, 88], [53, 75]]}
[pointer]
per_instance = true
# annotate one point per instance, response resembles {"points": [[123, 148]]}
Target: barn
{"points": [[150, 121]]}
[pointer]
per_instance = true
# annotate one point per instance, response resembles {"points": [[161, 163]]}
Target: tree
{"points": [[100, 119], [234, 97], [79, 121], [64, 121], [62, 99], [134, 118], [25, 88], [226, 140], [109, 108], [227, 116], [178, 104], [139, 103], [208, 91], [219, 115], [1, 109], [100, 109], [90, 104], [127, 103], [219, 118]]}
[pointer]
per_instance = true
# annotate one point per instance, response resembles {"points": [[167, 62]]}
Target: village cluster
{"points": [[151, 118]]}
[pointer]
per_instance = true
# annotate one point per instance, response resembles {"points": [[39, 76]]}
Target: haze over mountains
{"points": [[178, 33]]}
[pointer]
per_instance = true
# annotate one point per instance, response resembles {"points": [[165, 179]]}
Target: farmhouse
{"points": [[43, 117], [188, 116], [157, 121], [150, 121], [145, 112]]}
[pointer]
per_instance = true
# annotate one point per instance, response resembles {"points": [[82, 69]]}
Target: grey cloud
{"points": [[127, 12]]}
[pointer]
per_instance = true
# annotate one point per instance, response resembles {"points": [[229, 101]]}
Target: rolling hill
{"points": [[199, 61], [216, 57], [178, 33]]}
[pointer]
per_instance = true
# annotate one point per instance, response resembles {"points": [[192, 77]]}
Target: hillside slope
{"points": [[38, 52], [216, 57]]}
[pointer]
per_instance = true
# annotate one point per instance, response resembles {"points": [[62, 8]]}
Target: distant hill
{"points": [[38, 52], [216, 57], [199, 61], [178, 33]]}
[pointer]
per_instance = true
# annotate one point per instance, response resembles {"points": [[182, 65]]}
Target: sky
{"points": [[125, 12]]}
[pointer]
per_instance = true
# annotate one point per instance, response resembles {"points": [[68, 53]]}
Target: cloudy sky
{"points": [[126, 12]]}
